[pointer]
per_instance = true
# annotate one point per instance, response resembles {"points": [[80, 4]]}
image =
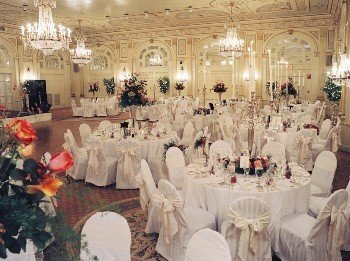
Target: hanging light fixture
{"points": [[232, 44], [155, 60], [44, 34], [80, 55], [181, 75]]}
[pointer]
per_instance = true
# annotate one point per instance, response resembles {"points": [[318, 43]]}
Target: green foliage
{"points": [[164, 84], [110, 85], [332, 90]]}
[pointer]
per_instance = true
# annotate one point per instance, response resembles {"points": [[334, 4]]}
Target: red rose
{"points": [[22, 131], [60, 162]]}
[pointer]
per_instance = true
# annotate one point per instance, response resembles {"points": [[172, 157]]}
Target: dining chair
{"points": [[178, 224], [221, 148], [188, 134], [275, 149], [246, 229], [108, 237], [302, 237], [207, 245], [324, 130], [323, 174], [85, 131], [104, 124], [77, 111], [175, 162]]}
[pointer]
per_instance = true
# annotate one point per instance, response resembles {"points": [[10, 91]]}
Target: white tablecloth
{"points": [[149, 147], [210, 193]]}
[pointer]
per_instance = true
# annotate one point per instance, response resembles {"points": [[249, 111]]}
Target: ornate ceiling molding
{"points": [[325, 21]]}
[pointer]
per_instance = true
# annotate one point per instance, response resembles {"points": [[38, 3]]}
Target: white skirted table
{"points": [[215, 194], [150, 146]]}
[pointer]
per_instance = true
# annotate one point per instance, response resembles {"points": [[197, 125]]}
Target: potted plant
{"points": [[110, 85], [333, 92]]}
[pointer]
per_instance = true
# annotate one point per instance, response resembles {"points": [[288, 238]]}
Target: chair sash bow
{"points": [[250, 229], [129, 154], [167, 209], [305, 148], [338, 224]]}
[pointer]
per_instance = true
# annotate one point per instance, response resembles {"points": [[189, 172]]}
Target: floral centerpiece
{"points": [[22, 189], [173, 143], [291, 89], [164, 84], [94, 88], [179, 86], [259, 163], [219, 88], [110, 85]]}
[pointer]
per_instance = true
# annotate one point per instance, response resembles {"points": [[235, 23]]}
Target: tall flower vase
{"points": [[179, 93], [220, 95], [335, 111], [133, 109]]}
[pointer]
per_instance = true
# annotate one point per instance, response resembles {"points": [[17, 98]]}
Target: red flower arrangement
{"points": [[219, 87], [179, 86]]}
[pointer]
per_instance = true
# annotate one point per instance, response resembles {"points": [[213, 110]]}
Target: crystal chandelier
{"points": [[155, 60], [342, 72], [232, 43], [80, 55], [45, 35]]}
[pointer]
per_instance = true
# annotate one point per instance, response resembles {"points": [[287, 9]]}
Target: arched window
{"points": [[5, 58], [148, 52], [101, 60], [51, 62]]}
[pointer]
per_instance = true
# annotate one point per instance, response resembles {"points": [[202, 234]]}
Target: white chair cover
{"points": [[111, 106], [89, 109], [147, 190], [108, 237], [77, 111], [153, 113], [101, 170], [104, 124], [85, 131], [129, 158], [80, 159], [276, 150], [178, 224], [246, 229], [303, 237], [101, 109], [325, 128], [175, 162], [346, 246], [188, 134], [302, 151], [207, 245], [221, 148], [323, 174]]}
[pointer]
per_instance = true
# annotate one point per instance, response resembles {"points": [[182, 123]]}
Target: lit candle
{"points": [[294, 78], [275, 76], [204, 78], [299, 79], [270, 66], [303, 79], [287, 78], [278, 71]]}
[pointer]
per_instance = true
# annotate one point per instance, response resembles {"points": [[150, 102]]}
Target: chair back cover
{"points": [[323, 172], [220, 147], [171, 211], [175, 162], [276, 150], [108, 237], [325, 128], [104, 124], [72, 139], [149, 187], [302, 151], [334, 218], [188, 134], [207, 245], [246, 229], [85, 132], [333, 140]]}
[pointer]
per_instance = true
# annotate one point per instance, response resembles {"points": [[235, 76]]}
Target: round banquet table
{"points": [[150, 146], [212, 193]]}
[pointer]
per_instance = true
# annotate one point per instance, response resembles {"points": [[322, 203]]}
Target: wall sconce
{"points": [[123, 76], [28, 74]]}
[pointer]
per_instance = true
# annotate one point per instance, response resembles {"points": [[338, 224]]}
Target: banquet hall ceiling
{"points": [[108, 16]]}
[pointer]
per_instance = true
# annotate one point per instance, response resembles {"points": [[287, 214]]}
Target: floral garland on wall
{"points": [[134, 93], [332, 90], [164, 84], [22, 189], [110, 85]]}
